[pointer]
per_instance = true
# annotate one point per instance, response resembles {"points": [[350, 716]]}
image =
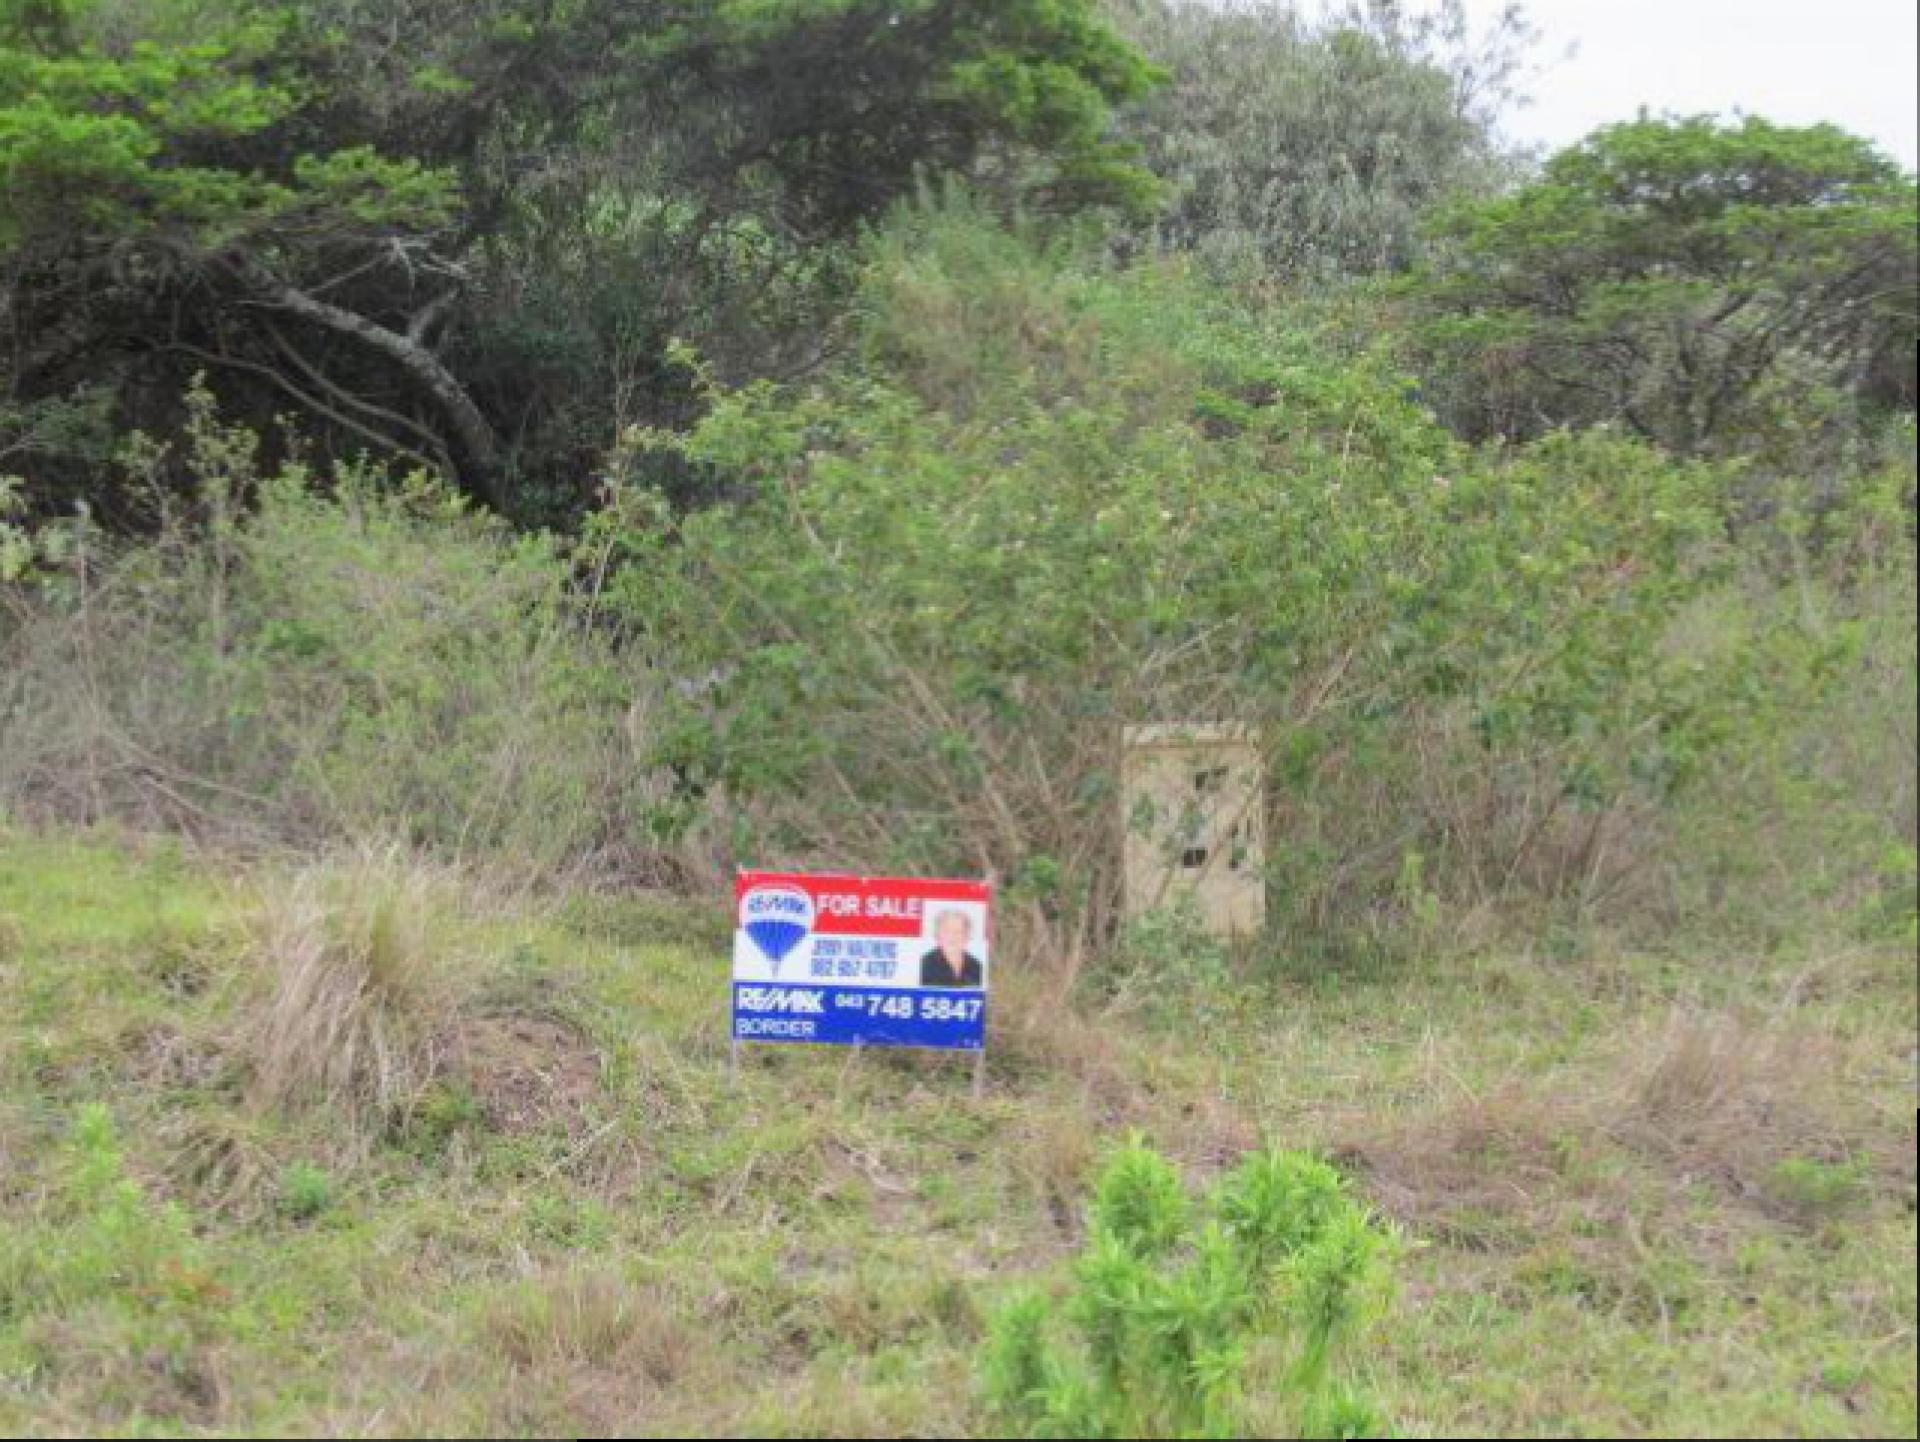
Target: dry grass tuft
{"points": [[1054, 1156], [368, 1009], [357, 992], [591, 1318], [166, 1056], [93, 1374], [1038, 1029], [1207, 1133], [16, 1145], [218, 1163], [1701, 1074], [1701, 1097], [1718, 1097]]}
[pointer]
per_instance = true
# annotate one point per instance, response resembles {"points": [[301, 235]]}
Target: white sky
{"points": [[1851, 62]]}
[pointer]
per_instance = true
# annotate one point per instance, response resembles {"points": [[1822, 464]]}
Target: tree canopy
{"points": [[438, 229], [1665, 274], [1311, 149], [467, 236]]}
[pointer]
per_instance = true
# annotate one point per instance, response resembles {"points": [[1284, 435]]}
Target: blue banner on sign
{"points": [[937, 1018]]}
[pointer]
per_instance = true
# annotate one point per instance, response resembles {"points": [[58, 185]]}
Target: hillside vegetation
{"points": [[367, 1071], [519, 1192], [473, 477]]}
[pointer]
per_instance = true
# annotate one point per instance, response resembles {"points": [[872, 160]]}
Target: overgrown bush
{"points": [[1799, 815], [316, 660], [1047, 497], [1057, 499], [1232, 1320]]}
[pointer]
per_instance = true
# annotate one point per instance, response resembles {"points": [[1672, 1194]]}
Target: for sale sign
{"points": [[861, 960]]}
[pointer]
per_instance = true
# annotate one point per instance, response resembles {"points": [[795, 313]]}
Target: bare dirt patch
{"points": [[527, 1073], [1475, 1173]]}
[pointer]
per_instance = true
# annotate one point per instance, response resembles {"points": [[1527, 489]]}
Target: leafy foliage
{"points": [[1172, 1319], [330, 205], [352, 656], [1060, 501], [1313, 150], [100, 1247], [1677, 278]]}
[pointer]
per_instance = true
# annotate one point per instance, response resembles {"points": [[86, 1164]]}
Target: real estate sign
{"points": [[861, 960]]}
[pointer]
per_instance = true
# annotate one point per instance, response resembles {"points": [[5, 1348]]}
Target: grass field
{"points": [[460, 1164]]}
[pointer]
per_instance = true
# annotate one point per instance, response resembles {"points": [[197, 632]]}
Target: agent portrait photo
{"points": [[950, 964]]}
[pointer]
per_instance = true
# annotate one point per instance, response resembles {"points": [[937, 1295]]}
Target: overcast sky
{"points": [[1798, 61]]}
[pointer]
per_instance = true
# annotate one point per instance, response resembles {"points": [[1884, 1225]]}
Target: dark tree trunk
{"points": [[474, 444]]}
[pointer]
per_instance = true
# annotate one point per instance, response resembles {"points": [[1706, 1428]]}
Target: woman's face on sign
{"points": [[953, 932]]}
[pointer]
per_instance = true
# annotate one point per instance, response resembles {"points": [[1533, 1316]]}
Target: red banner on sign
{"points": [[862, 961], [866, 905]]}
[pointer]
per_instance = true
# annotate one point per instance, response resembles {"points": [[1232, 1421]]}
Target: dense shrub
{"points": [[1229, 1323], [1058, 499], [1046, 498]]}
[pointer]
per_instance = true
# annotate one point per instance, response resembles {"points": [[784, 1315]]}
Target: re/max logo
{"points": [[781, 998]]}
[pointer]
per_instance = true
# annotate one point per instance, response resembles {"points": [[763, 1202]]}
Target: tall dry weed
{"points": [[357, 990]]}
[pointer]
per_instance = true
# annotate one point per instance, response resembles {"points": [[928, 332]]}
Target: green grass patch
{"points": [[1639, 1195]]}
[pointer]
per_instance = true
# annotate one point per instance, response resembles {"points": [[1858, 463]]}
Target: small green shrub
{"points": [[306, 1192], [1174, 970], [1814, 1191], [1227, 1320], [444, 1112], [100, 1246], [111, 1236]]}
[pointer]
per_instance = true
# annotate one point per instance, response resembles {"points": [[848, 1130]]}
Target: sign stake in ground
{"points": [[861, 961]]}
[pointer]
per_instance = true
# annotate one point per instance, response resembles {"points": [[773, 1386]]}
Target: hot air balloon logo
{"points": [[776, 919]]}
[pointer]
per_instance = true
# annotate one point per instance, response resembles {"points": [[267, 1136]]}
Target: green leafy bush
{"points": [[1234, 1319], [1167, 964], [1815, 1190], [100, 1247], [27, 550], [1058, 500], [306, 1192]]}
